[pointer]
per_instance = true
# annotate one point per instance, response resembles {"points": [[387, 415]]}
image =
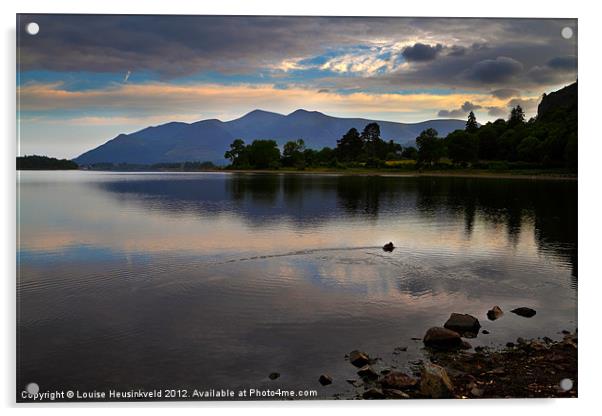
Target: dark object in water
{"points": [[494, 313], [274, 376], [442, 339], [389, 247], [325, 379], [523, 311], [464, 324]]}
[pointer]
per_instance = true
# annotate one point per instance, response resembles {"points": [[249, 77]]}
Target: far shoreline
{"points": [[538, 175], [409, 174]]}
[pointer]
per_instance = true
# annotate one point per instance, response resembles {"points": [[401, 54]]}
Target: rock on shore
{"points": [[435, 383], [359, 358]]}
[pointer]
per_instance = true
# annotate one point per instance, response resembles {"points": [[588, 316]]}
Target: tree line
{"points": [[549, 141], [44, 163]]}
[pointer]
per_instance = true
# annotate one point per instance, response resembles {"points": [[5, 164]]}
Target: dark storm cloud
{"points": [[468, 106], [504, 93], [499, 53], [459, 112], [529, 105], [491, 71], [563, 63], [420, 52], [175, 45]]}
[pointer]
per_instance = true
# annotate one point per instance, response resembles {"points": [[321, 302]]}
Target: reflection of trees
{"points": [[550, 205], [259, 188], [308, 200]]}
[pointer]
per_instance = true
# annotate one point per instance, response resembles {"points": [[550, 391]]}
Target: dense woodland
{"points": [[546, 141]]}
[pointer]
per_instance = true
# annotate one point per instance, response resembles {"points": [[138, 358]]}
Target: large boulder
{"points": [[524, 311], [463, 324], [358, 358], [434, 382], [442, 339], [494, 313]]}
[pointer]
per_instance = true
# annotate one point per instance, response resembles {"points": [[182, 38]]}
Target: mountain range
{"points": [[207, 140]]}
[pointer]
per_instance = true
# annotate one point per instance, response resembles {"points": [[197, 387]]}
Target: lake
{"points": [[216, 280]]}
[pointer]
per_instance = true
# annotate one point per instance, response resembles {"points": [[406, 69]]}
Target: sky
{"points": [[84, 79]]}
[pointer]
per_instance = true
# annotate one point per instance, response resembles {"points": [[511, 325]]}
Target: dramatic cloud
{"points": [[468, 52], [563, 63], [421, 52], [505, 93], [468, 106], [491, 71], [460, 112], [556, 70]]}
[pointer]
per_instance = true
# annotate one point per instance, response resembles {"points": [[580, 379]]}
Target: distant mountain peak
{"points": [[302, 111], [259, 112]]}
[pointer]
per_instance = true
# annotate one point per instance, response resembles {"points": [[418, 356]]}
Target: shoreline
{"points": [[410, 174], [450, 367], [534, 368], [561, 176]]}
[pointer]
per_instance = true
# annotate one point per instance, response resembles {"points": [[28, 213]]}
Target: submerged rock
{"points": [[389, 247], [358, 358], [494, 313], [524, 311], [463, 324], [325, 379], [442, 338], [434, 382]]}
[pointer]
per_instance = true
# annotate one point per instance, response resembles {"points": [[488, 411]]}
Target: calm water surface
{"points": [[149, 280]]}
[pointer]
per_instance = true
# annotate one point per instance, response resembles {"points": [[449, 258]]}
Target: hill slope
{"points": [[207, 140]]}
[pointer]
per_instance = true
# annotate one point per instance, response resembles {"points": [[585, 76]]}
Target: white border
{"points": [[590, 158]]}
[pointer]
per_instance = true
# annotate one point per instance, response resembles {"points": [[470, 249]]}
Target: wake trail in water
{"points": [[297, 253]]}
